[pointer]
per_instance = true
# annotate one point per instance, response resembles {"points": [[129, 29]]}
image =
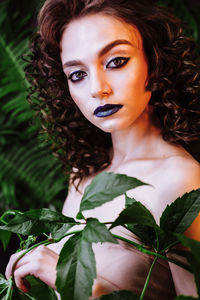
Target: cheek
{"points": [[82, 103], [75, 96], [136, 85]]}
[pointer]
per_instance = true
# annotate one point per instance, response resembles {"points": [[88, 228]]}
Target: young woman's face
{"points": [[107, 71]]}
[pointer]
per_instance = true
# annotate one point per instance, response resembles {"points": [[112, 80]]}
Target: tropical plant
{"points": [[76, 267], [29, 175]]}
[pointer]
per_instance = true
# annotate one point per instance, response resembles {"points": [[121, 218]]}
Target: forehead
{"points": [[91, 33]]}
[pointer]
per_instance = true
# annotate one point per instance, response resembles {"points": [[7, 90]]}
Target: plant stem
{"points": [[169, 246], [20, 238], [4, 222], [142, 249], [148, 278], [10, 289], [63, 236], [30, 297], [8, 212]]}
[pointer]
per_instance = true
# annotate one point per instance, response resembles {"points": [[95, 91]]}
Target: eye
{"points": [[117, 62], [77, 76]]}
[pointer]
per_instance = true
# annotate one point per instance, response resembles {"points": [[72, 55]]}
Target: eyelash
{"points": [[83, 74], [121, 58], [75, 73]]}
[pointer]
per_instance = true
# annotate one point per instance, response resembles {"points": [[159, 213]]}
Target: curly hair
{"points": [[173, 78]]}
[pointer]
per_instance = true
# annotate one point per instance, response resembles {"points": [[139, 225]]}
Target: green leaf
{"points": [[38, 221], [95, 232], [181, 213], [4, 284], [6, 288], [19, 295], [80, 216], [24, 180], [120, 295], [39, 288], [145, 233], [5, 238], [58, 231], [135, 214], [105, 187], [76, 269], [129, 201], [166, 240], [193, 256]]}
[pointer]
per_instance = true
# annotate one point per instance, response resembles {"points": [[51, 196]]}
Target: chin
{"points": [[111, 128]]}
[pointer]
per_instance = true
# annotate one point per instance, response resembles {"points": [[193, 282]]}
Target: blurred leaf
{"points": [[4, 284], [5, 238], [105, 187], [34, 171], [29, 174], [76, 269]]}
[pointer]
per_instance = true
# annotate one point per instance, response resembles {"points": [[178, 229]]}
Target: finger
{"points": [[19, 276], [12, 260]]}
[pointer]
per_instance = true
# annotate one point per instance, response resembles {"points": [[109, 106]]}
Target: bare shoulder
{"points": [[182, 174]]}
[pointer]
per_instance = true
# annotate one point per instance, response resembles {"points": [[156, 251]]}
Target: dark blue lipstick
{"points": [[107, 110]]}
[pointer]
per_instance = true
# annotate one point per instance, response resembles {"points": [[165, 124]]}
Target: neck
{"points": [[139, 141]]}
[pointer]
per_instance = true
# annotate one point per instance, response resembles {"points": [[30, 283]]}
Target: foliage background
{"points": [[30, 176]]}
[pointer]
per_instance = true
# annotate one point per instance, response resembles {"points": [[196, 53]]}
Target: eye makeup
{"points": [[114, 63], [77, 76], [117, 62]]}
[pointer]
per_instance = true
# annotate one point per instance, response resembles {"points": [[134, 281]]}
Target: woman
{"points": [[118, 89]]}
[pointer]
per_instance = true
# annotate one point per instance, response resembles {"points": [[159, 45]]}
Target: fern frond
{"points": [[30, 170], [29, 175]]}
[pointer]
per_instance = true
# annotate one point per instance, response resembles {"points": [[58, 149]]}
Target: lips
{"points": [[107, 110]]}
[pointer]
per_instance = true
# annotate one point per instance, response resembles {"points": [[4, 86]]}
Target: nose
{"points": [[99, 85]]}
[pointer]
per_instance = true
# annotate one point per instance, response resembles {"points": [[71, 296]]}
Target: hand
{"points": [[40, 262]]}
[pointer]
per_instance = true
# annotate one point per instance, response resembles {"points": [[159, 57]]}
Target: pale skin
{"points": [[89, 63]]}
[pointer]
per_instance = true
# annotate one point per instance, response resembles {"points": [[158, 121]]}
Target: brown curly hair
{"points": [[173, 79]]}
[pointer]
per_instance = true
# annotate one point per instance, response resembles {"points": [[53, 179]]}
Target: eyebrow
{"points": [[102, 52]]}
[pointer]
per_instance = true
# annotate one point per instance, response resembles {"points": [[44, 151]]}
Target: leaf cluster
{"points": [[76, 267]]}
